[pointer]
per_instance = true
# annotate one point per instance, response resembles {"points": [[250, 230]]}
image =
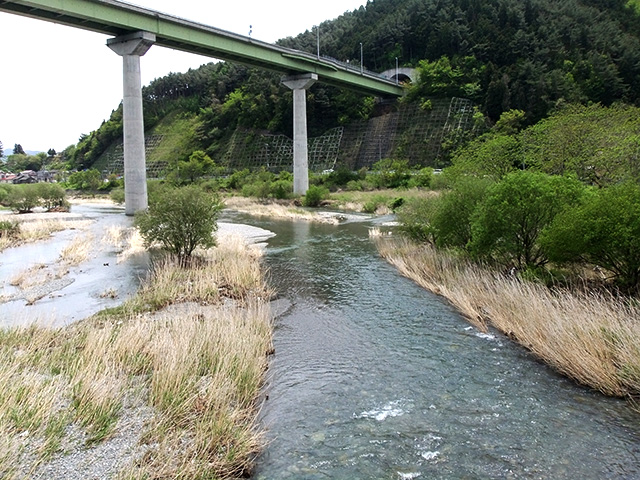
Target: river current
{"points": [[375, 378]]}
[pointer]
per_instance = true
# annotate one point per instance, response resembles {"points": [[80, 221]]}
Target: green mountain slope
{"points": [[532, 55]]}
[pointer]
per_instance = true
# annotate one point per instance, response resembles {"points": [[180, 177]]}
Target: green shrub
{"points": [[154, 187], [211, 185], [422, 178], [180, 219], [340, 177], [354, 186], [416, 218], [507, 225], [23, 198], [285, 175], [282, 189], [451, 221], [315, 195], [4, 193], [373, 203], [391, 173], [117, 196], [9, 229], [112, 182], [52, 196], [237, 179], [441, 181], [603, 230], [85, 180], [258, 189]]}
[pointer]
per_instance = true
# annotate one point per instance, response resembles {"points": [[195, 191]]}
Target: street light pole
{"points": [[361, 60], [396, 70], [318, 40]]}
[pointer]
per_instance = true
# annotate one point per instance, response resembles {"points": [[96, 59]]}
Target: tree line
{"points": [[531, 55], [562, 193]]}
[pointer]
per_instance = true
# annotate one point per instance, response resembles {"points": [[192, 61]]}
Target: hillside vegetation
{"points": [[528, 55]]}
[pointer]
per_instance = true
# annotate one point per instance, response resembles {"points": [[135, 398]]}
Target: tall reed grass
{"points": [[277, 210], [180, 360], [592, 338], [36, 230]]}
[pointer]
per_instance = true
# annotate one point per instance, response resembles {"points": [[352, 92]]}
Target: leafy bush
{"points": [[9, 229], [354, 186], [211, 185], [52, 196], [180, 219], [112, 182], [391, 173], [282, 189], [237, 179], [340, 177], [507, 225], [4, 193], [603, 230], [416, 218], [85, 180], [198, 165], [452, 219], [373, 203], [422, 178], [315, 195], [258, 189], [23, 198], [117, 195]]}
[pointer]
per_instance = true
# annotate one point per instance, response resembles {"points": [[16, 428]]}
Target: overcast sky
{"points": [[59, 82]]}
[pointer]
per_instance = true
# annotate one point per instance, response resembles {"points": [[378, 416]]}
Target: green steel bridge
{"points": [[117, 18], [136, 29]]}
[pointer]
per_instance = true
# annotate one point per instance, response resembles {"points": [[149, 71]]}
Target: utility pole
{"points": [[396, 70]]}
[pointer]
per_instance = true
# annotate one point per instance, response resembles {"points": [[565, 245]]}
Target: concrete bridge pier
{"points": [[299, 84], [131, 47]]}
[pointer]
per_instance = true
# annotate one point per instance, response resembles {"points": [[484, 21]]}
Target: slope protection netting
{"points": [[405, 131]]}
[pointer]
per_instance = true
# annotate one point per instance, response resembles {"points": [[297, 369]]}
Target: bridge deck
{"points": [[113, 17]]}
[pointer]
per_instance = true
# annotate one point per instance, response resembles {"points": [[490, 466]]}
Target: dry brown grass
{"points": [[355, 201], [194, 370], [126, 241], [591, 338], [277, 210], [77, 251], [33, 230]]}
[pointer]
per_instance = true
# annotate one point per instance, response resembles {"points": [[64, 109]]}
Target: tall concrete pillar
{"points": [[299, 84], [131, 47]]}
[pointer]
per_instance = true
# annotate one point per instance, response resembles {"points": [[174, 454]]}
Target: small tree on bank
{"points": [[180, 219], [604, 231]]}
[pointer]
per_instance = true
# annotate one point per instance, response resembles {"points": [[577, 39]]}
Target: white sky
{"points": [[58, 82]]}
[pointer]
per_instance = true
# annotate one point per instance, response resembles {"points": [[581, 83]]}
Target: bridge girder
{"points": [[112, 17]]}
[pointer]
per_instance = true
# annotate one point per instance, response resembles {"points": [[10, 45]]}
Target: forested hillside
{"points": [[531, 55]]}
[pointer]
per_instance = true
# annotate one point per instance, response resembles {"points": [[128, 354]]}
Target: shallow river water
{"points": [[102, 281], [375, 378]]}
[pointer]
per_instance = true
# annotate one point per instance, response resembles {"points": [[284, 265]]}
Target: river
{"points": [[375, 378]]}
